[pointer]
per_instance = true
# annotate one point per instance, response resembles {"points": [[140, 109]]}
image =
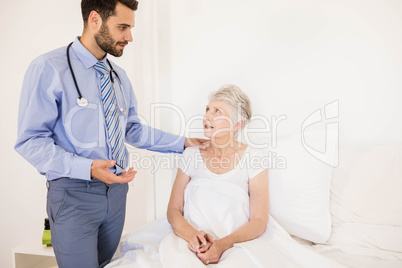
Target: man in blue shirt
{"points": [[78, 144]]}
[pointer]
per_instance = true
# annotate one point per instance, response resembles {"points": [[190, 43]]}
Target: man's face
{"points": [[115, 33]]}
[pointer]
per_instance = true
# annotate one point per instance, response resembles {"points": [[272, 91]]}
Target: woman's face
{"points": [[217, 122]]}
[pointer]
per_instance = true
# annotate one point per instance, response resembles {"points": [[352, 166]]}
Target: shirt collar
{"points": [[83, 54]]}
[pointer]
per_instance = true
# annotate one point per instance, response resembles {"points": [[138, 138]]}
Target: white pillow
{"points": [[299, 194]]}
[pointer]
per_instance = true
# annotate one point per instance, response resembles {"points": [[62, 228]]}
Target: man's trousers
{"points": [[86, 221]]}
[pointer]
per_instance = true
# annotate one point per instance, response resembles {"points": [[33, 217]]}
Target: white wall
{"points": [[291, 57]]}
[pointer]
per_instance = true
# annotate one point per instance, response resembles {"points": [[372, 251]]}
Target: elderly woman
{"points": [[220, 195]]}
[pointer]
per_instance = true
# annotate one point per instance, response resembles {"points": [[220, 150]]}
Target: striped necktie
{"points": [[115, 136]]}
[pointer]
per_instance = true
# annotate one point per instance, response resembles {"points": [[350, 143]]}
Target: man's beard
{"points": [[107, 43]]}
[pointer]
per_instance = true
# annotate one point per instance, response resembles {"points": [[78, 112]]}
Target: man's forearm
{"points": [[146, 137], [52, 159]]}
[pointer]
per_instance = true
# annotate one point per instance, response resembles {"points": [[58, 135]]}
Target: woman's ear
{"points": [[238, 126]]}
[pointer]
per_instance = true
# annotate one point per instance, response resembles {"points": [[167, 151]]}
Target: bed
{"points": [[343, 210]]}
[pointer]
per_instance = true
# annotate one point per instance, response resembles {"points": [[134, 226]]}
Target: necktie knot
{"points": [[101, 68]]}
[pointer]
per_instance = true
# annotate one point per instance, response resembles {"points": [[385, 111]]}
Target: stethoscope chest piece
{"points": [[82, 102]]}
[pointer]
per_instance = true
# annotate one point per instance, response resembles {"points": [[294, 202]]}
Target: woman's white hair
{"points": [[239, 103]]}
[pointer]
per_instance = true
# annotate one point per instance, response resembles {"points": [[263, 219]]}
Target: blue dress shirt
{"points": [[61, 138]]}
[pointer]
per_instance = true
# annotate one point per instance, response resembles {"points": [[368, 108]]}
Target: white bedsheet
{"points": [[208, 207], [360, 257], [140, 248]]}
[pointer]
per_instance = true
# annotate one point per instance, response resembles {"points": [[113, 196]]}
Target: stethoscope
{"points": [[81, 101]]}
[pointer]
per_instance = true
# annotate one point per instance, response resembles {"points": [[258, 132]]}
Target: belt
{"points": [[94, 185]]}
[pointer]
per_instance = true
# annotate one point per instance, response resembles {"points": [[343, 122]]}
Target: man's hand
{"points": [[100, 171], [200, 143]]}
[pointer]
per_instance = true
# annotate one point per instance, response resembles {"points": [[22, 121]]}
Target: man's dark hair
{"points": [[105, 8]]}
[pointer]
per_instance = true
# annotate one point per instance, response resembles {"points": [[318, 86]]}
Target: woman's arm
{"points": [[258, 187], [175, 215]]}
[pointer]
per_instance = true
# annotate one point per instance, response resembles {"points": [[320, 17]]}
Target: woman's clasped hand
{"points": [[206, 248]]}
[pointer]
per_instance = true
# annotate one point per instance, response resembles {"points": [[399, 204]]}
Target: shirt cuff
{"points": [[81, 168]]}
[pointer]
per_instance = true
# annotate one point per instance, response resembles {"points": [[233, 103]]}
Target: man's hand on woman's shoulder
{"points": [[200, 143]]}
